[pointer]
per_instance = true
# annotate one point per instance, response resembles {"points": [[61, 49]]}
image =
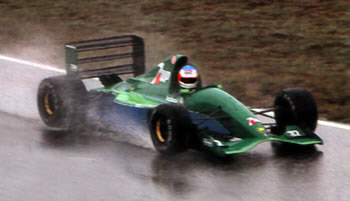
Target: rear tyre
{"points": [[170, 128], [61, 102], [295, 106]]}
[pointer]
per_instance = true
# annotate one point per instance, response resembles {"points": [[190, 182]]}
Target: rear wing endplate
{"points": [[115, 55]]}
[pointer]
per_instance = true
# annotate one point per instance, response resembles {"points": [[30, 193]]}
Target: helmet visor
{"points": [[188, 80]]}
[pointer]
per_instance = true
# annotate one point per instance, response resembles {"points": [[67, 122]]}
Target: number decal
{"points": [[294, 133]]}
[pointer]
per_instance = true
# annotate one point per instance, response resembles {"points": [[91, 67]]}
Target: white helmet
{"points": [[188, 77]]}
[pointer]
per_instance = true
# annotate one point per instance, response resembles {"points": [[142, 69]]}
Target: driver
{"points": [[188, 77]]}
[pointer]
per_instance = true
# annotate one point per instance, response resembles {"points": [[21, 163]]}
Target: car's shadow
{"points": [[174, 173], [301, 152]]}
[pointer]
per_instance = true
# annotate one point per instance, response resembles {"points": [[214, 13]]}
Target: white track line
{"points": [[50, 68], [334, 125], [45, 67], [320, 122], [81, 158]]}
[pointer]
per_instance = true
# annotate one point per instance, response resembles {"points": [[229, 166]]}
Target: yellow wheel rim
{"points": [[47, 105], [158, 132]]}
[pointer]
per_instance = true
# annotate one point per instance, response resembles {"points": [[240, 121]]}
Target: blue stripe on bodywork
{"points": [[117, 116]]}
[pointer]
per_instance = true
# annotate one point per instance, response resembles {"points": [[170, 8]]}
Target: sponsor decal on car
{"points": [[171, 99], [173, 60], [161, 65], [252, 121], [261, 130], [210, 143], [162, 75], [207, 142], [73, 67], [294, 133], [218, 143]]}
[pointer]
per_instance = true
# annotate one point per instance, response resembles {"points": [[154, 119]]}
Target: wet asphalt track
{"points": [[39, 164]]}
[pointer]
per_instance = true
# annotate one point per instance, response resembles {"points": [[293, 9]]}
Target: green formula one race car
{"points": [[169, 101]]}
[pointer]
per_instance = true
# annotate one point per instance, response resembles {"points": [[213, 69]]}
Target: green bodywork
{"points": [[159, 86]]}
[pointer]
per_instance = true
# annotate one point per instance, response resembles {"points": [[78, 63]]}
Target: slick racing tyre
{"points": [[61, 102], [295, 106], [170, 127]]}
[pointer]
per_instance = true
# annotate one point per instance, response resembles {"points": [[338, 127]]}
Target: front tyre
{"points": [[295, 106], [170, 128]]}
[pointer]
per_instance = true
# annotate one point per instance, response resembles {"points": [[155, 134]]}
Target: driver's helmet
{"points": [[188, 77]]}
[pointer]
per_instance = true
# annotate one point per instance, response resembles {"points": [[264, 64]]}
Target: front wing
{"points": [[293, 135]]}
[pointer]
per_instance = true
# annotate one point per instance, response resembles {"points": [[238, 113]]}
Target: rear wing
{"points": [[115, 55]]}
